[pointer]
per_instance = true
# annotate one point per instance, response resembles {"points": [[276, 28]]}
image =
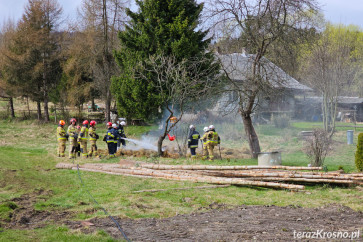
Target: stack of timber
{"points": [[262, 176]]}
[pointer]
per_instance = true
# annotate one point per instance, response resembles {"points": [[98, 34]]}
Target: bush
{"points": [[317, 147], [281, 121], [359, 153]]}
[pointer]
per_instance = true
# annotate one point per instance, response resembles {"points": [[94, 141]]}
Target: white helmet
{"points": [[123, 123], [205, 129], [191, 126], [114, 125], [211, 127]]}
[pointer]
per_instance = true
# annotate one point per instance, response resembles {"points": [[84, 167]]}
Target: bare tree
{"points": [[329, 65], [317, 147], [261, 22], [178, 83], [101, 20]]}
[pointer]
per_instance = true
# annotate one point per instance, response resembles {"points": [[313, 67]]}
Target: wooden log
{"points": [[208, 167], [65, 166], [260, 177], [182, 188], [306, 180], [279, 174], [205, 179]]}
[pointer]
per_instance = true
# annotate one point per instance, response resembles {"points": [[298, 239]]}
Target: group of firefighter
{"points": [[210, 139], [79, 136]]}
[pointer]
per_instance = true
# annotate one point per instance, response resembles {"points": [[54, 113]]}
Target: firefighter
{"points": [[193, 141], [121, 133], [204, 142], [83, 137], [109, 138], [212, 141], [116, 139], [93, 137], [62, 137], [78, 147], [73, 135]]}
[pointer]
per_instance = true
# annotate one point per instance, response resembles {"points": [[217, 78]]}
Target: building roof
{"points": [[238, 67]]}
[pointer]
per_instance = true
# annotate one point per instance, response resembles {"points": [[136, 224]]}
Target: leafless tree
{"points": [[262, 22], [178, 83], [329, 65], [317, 147], [101, 20]]}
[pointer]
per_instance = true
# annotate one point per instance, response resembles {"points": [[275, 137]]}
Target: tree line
{"points": [[162, 56]]}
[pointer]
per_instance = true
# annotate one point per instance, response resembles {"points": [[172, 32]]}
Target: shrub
{"points": [[281, 121], [359, 153], [317, 147]]}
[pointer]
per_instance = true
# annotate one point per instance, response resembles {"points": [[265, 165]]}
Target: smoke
{"points": [[137, 145]]}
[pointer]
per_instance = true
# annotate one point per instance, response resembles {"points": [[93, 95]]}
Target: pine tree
{"points": [[160, 27]]}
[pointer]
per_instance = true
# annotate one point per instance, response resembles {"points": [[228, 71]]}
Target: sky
{"points": [[335, 11]]}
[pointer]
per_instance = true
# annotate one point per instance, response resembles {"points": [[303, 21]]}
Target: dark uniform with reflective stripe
{"points": [[193, 140], [121, 133], [110, 138]]}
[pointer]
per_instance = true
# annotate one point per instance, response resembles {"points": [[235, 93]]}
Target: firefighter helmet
{"points": [[123, 123], [73, 120], [191, 126], [114, 125], [211, 127], [92, 123], [85, 122], [61, 122], [109, 124], [205, 129]]}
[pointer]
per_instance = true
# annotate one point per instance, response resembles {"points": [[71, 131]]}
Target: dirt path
{"points": [[237, 224]]}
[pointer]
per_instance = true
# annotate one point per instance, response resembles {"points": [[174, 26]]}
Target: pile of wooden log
{"points": [[263, 176]]}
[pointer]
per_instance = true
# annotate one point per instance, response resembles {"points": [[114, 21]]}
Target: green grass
{"points": [[53, 233], [27, 165]]}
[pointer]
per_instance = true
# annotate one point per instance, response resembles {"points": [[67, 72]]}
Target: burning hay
{"points": [[233, 175]]}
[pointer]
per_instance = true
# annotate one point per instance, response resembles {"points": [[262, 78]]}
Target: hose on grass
{"points": [[104, 210]]}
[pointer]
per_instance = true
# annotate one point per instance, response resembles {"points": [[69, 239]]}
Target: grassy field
{"points": [[28, 159]]}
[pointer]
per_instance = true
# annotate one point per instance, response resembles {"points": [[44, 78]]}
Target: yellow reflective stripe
{"points": [[62, 138], [195, 136]]}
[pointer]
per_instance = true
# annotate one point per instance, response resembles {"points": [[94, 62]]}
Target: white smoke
{"points": [[137, 145]]}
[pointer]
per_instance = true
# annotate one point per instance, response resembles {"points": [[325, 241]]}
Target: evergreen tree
{"points": [[32, 61], [160, 27]]}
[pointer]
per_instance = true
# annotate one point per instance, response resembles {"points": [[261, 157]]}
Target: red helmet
{"points": [[78, 127], [92, 123], [85, 122], [61, 122], [109, 124], [73, 120]]}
